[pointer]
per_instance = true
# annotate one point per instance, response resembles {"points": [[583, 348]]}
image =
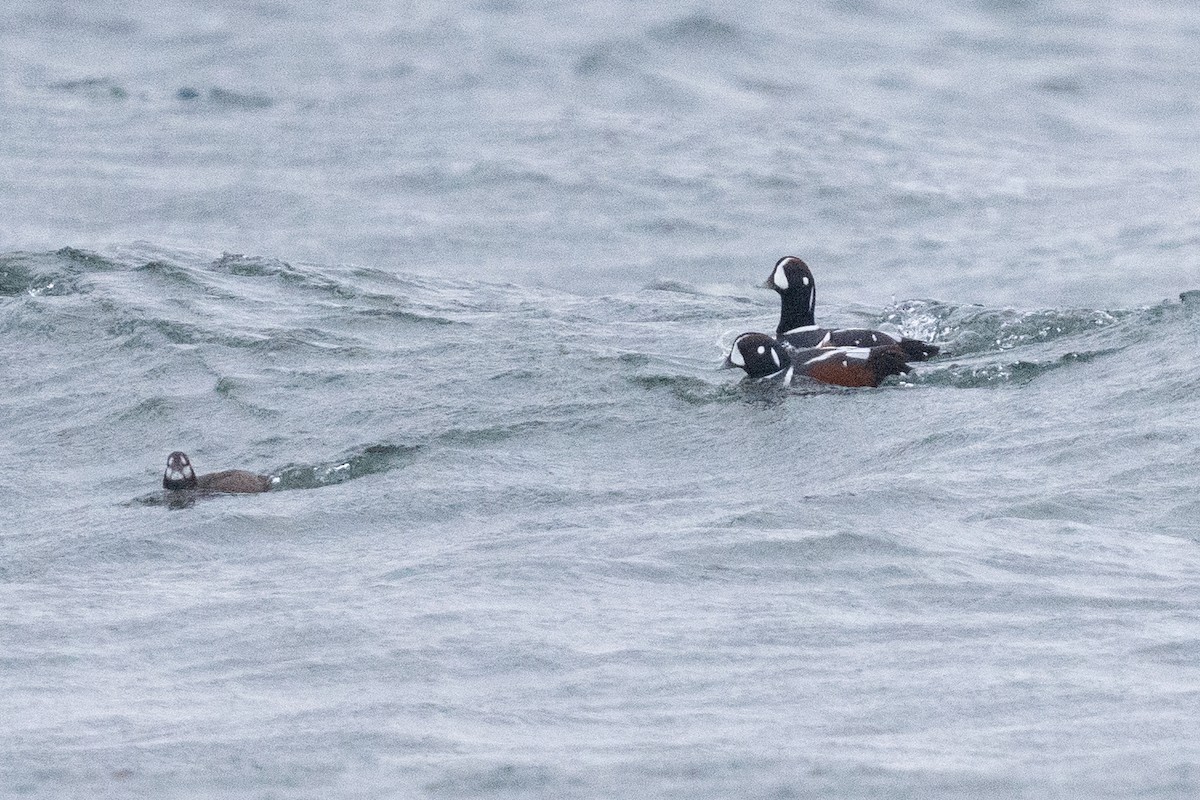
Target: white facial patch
{"points": [[805, 280], [736, 358], [774, 356], [780, 278]]}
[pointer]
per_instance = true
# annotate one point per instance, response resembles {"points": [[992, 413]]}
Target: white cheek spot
{"points": [[736, 358], [874, 338], [780, 278], [805, 280], [761, 349], [775, 357]]}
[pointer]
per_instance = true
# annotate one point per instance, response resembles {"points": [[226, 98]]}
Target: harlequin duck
{"points": [[762, 356], [797, 329], [180, 475]]}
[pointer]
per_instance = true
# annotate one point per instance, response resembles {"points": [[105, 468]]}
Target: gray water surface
{"points": [[461, 279]]}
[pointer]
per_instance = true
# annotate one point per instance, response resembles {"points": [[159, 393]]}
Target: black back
{"points": [[840, 337], [797, 289]]}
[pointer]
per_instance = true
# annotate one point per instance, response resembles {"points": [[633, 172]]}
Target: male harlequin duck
{"points": [[762, 356], [797, 329], [180, 475]]}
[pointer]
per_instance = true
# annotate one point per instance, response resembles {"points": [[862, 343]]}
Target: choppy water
{"points": [[528, 540]]}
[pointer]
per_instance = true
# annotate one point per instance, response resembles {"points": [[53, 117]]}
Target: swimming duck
{"points": [[762, 356], [798, 330], [180, 475]]}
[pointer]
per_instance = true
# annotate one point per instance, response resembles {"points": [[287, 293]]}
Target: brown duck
{"points": [[180, 475]]}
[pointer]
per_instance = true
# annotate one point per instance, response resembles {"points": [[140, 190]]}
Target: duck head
{"points": [[792, 278], [179, 473], [758, 354]]}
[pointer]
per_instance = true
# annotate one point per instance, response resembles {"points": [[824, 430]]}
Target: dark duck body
{"points": [[179, 475], [762, 356], [797, 328]]}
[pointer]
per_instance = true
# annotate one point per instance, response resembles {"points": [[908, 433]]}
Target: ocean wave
{"points": [[800, 549], [93, 88], [275, 306], [688, 389], [964, 330], [370, 460], [60, 273], [997, 372], [19, 275], [243, 100], [988, 347], [106, 89], [70, 271], [611, 59], [697, 30]]}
